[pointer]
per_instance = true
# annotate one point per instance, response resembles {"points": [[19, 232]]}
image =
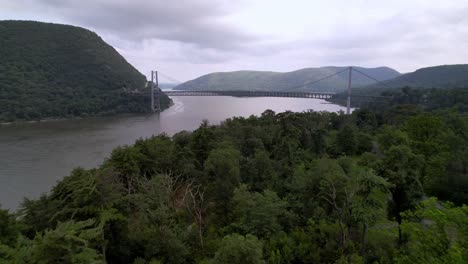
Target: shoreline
{"points": [[47, 120], [41, 120]]}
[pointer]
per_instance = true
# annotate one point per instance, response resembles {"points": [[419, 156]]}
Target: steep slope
{"points": [[53, 71], [276, 81], [444, 76], [451, 82]]}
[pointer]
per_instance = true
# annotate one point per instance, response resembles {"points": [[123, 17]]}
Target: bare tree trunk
{"points": [[343, 234], [194, 200], [200, 234], [104, 254], [363, 239], [400, 236]]}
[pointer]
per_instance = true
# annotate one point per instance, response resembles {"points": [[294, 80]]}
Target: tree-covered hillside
{"points": [[55, 71], [444, 76], [377, 188], [429, 88], [276, 81]]}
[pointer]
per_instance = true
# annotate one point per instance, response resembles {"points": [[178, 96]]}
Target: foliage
{"points": [[438, 233], [258, 213], [279, 188], [58, 71], [70, 242], [437, 76], [8, 228], [237, 249]]}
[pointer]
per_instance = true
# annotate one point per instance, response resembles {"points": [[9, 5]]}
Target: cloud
{"points": [[199, 22], [188, 38]]}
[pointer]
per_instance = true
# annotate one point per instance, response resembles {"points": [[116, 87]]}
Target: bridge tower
{"points": [[348, 101], [155, 101]]}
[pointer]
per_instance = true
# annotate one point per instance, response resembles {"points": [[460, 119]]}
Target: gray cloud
{"points": [[194, 37], [197, 22]]}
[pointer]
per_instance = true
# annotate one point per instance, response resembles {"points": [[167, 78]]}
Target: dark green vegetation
{"points": [[60, 71], [454, 76], [429, 88], [275, 81], [279, 188], [427, 99]]}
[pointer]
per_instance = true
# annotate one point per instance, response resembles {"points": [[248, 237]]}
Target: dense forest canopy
{"points": [[430, 88], [56, 71], [313, 187], [443, 76], [278, 81], [427, 99]]}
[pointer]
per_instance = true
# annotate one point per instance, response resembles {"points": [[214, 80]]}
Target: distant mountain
{"points": [[276, 81], [444, 76], [55, 71], [451, 81]]}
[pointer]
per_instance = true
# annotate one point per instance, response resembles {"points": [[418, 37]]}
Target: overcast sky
{"points": [[189, 38]]}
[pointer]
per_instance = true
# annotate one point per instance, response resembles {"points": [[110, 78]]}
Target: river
{"points": [[34, 156]]}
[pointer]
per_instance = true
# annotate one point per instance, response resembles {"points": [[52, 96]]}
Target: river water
{"points": [[34, 156]]}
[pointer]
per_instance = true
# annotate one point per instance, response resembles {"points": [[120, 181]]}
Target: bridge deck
{"points": [[317, 95]]}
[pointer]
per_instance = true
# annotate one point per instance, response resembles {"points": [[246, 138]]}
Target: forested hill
{"points": [[443, 76], [55, 71], [276, 81]]}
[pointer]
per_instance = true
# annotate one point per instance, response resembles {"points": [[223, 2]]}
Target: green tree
{"points": [[347, 140], [238, 249], [153, 226], [70, 242], [157, 154], [9, 230], [222, 176], [438, 233], [126, 162], [365, 119], [368, 202], [258, 213], [259, 171], [401, 167], [391, 136], [364, 143], [424, 127], [201, 143]]}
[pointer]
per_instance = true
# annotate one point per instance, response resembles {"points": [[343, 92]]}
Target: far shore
{"points": [[46, 120], [43, 120]]}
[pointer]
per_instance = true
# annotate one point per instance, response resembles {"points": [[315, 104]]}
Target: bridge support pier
{"points": [[348, 101], [155, 102]]}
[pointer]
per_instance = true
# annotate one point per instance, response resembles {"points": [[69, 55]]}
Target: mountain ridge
{"points": [[440, 76], [277, 81]]}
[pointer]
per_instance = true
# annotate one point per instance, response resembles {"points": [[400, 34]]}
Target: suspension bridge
{"points": [[289, 92], [240, 93]]}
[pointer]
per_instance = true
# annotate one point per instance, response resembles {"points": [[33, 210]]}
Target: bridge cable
{"points": [[292, 88], [170, 78], [372, 78], [383, 82], [316, 81]]}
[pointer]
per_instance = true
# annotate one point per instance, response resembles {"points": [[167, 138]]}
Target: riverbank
{"points": [[46, 120]]}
